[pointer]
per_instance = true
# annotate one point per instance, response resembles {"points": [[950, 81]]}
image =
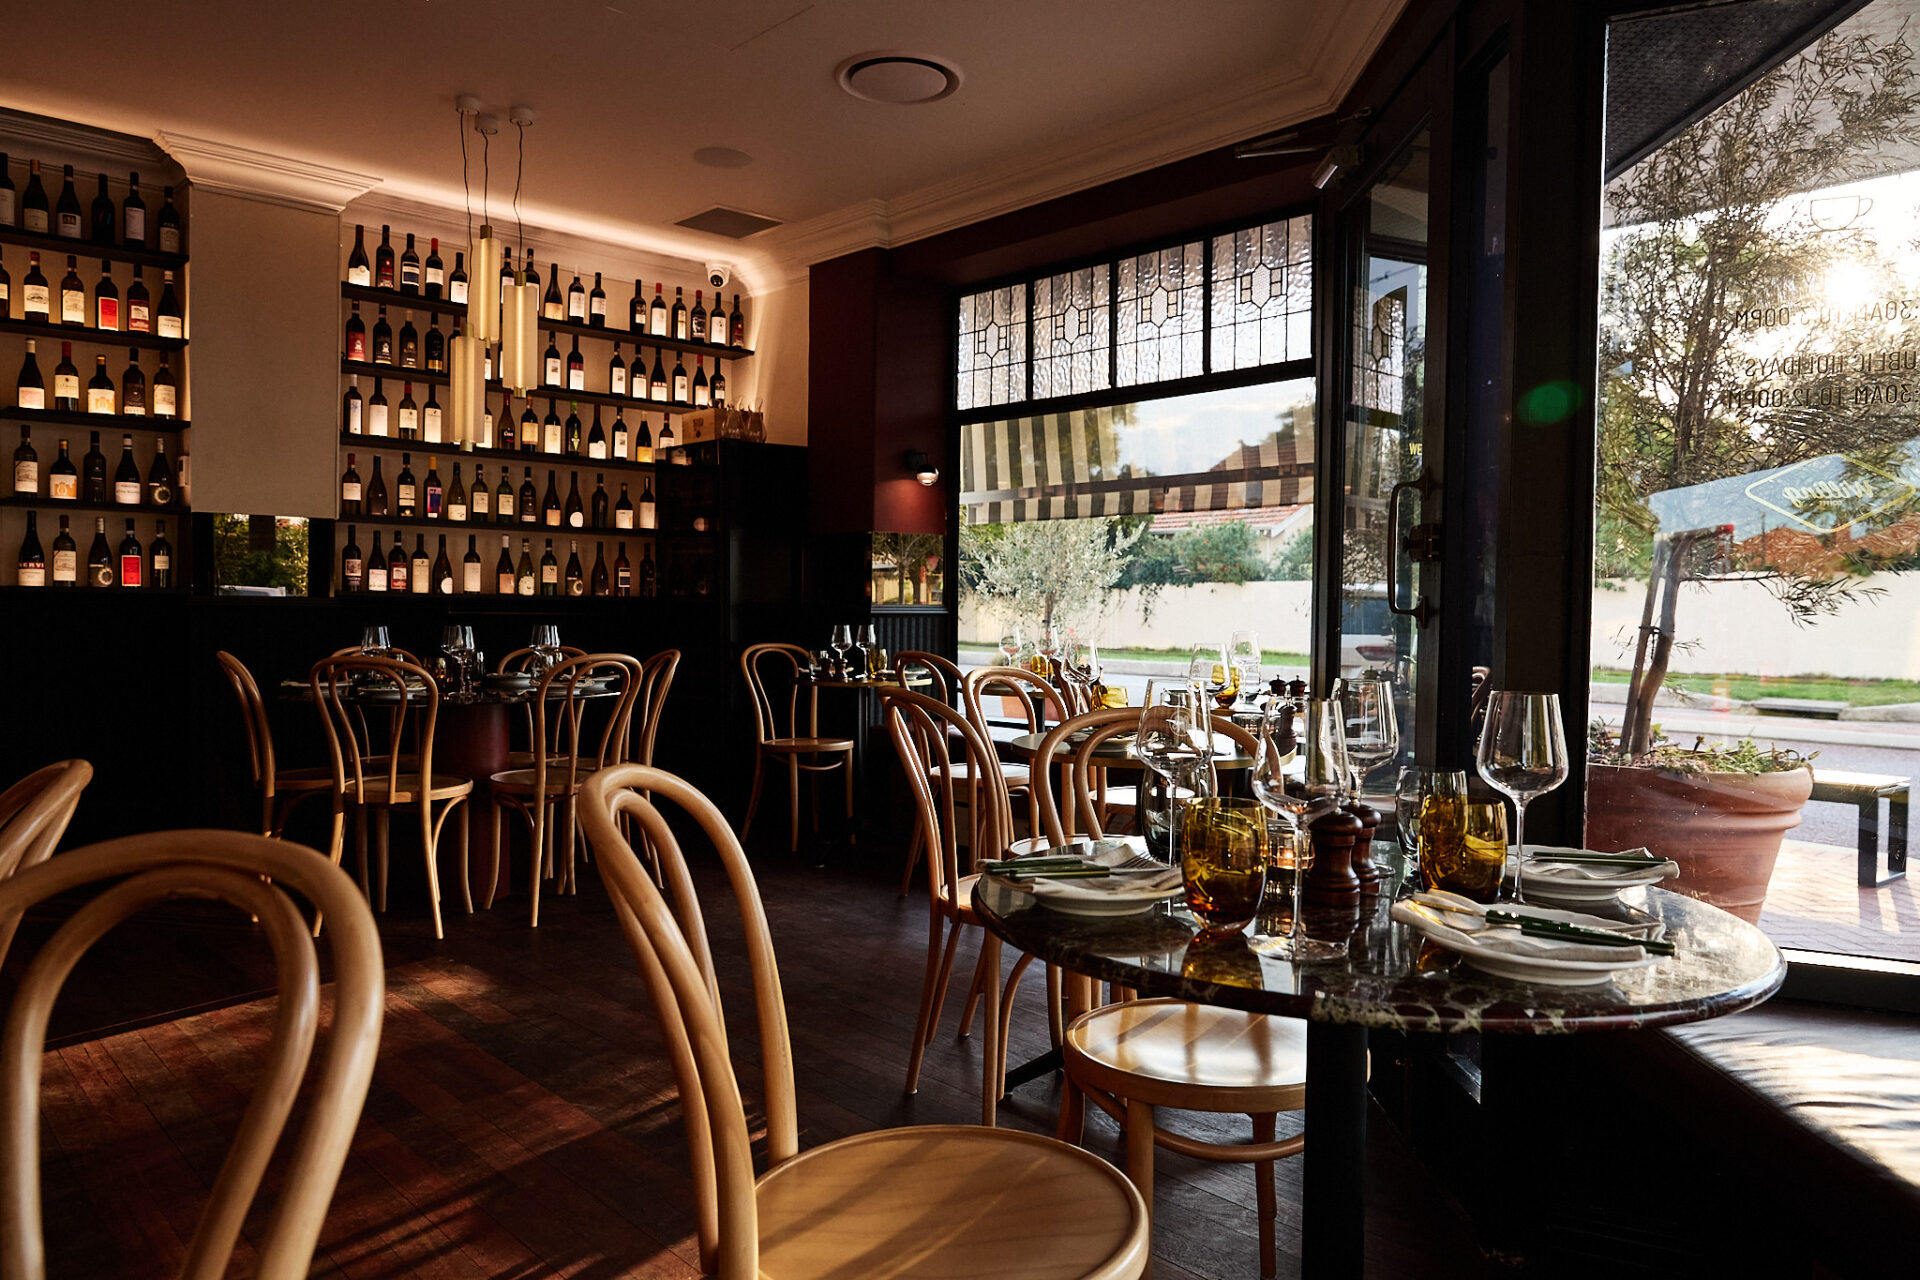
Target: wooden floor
{"points": [[522, 1121]]}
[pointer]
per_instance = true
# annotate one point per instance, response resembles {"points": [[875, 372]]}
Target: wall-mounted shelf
{"points": [[44, 503], [392, 298], [93, 337], [87, 249], [102, 421], [516, 529], [446, 449], [399, 373]]}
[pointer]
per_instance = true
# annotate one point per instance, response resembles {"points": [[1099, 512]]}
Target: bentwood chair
{"points": [[777, 736], [251, 873], [519, 660], [545, 793], [1030, 702], [1135, 1057], [943, 680], [369, 779], [34, 813], [279, 789], [953, 1201]]}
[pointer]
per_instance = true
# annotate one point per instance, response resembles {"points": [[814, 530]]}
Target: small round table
{"points": [[1723, 965], [1117, 752]]}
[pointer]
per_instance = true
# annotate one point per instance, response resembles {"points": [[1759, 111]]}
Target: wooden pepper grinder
{"points": [[1364, 869], [1330, 882]]}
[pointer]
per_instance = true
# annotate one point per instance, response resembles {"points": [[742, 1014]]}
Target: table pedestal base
{"points": [[1334, 1182]]}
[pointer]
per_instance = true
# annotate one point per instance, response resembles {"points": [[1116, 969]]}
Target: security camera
{"points": [[718, 273]]}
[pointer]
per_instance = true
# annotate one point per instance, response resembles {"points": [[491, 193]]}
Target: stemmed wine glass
{"points": [[1244, 650], [456, 642], [869, 642], [1373, 735], [841, 642], [1175, 741], [1282, 791], [1010, 644], [373, 642], [1523, 754], [545, 643]]}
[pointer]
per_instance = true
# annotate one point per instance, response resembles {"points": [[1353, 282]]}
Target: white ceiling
{"points": [[1058, 94]]}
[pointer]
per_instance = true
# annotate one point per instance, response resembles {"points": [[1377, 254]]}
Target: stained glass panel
{"points": [[1071, 338], [1159, 319], [1263, 295], [992, 366]]}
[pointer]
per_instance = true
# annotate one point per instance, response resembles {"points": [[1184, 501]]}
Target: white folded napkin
{"points": [[1461, 923], [1538, 868]]}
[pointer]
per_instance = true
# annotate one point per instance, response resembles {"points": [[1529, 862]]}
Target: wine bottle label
{"points": [[100, 575], [376, 420], [576, 379], [169, 326], [553, 372], [623, 581], [409, 422], [433, 504], [700, 400], [436, 276], [623, 519], [657, 322], [680, 386], [356, 346], [356, 410], [162, 566], [486, 431], [524, 586], [617, 380], [362, 276], [457, 512], [552, 311], [503, 584], [139, 317], [599, 306], [66, 386], [445, 585], [549, 574], [432, 416], [161, 495], [409, 276], [127, 492], [470, 579], [457, 291], [37, 298], [597, 449], [134, 403], [73, 306], [136, 224], [353, 571], [26, 477], [376, 579], [108, 310], [643, 453], [717, 330], [169, 239], [33, 397], [575, 520], [34, 220], [406, 495], [130, 571], [7, 218], [397, 577], [646, 516], [575, 587], [64, 487], [33, 575], [552, 444], [70, 226], [350, 491], [99, 399], [481, 499], [575, 309], [66, 566]]}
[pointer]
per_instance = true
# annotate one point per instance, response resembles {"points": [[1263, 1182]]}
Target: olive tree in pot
{"points": [[1724, 250]]}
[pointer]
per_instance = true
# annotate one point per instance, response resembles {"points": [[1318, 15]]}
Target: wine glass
{"points": [[1200, 666], [1523, 754], [373, 642], [1244, 649], [1010, 644], [1373, 736], [1279, 785], [841, 641], [1175, 742], [1223, 861], [1327, 776]]}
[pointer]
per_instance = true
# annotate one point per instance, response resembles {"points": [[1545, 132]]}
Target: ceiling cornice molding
{"points": [[259, 175], [63, 137], [861, 225]]}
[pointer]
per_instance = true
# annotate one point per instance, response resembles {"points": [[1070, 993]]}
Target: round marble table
{"points": [[1389, 980], [1117, 752]]}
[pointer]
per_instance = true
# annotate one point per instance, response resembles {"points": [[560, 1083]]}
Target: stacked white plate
{"points": [[1460, 925], [1585, 882]]}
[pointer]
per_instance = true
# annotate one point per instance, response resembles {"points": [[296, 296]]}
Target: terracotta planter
{"points": [[1724, 829]]}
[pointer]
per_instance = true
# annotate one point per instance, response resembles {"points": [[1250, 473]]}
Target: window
{"points": [[993, 347]]}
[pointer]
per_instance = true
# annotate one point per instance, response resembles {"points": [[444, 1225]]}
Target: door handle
{"points": [[1422, 543]]}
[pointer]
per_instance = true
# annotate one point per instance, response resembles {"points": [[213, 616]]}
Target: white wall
{"points": [[1184, 616], [777, 375]]}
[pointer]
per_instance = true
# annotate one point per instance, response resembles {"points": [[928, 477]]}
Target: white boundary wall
{"points": [[1185, 616]]}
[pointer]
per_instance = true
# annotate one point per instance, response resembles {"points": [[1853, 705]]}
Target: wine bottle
{"points": [[353, 408], [576, 300], [572, 437], [66, 557], [100, 556], [599, 584], [9, 196], [470, 568], [503, 571], [576, 577], [353, 565], [66, 381], [457, 498], [376, 566], [649, 576], [33, 203], [550, 505], [648, 513], [100, 388], [736, 325], [576, 367], [106, 300], [679, 315], [597, 516], [717, 389], [506, 278], [36, 297], [30, 392], [26, 466], [573, 515], [132, 559], [549, 572], [139, 304], [480, 498], [66, 214], [434, 495], [532, 272], [596, 437], [553, 373], [168, 321], [697, 319], [486, 419], [104, 221], [6, 283], [382, 345], [377, 419], [623, 509], [433, 273], [637, 376], [701, 398], [503, 499], [168, 223], [597, 304], [526, 579], [657, 384], [552, 307], [409, 267], [622, 571], [73, 295], [377, 491], [616, 374], [716, 324], [643, 443], [166, 395], [442, 570], [133, 387], [552, 437], [406, 490], [356, 335], [433, 347], [680, 386], [409, 342], [529, 501], [663, 448], [161, 481], [657, 314], [351, 503], [63, 481], [383, 260], [431, 418], [409, 428], [160, 555], [32, 566], [418, 573], [457, 282], [529, 429], [126, 476], [359, 270], [133, 215], [397, 566], [637, 309], [620, 436]]}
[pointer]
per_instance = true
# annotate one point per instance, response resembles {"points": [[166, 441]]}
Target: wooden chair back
{"points": [[559, 702], [943, 675], [518, 659], [768, 723], [925, 732], [1102, 725], [393, 651], [353, 744], [34, 813], [1034, 696], [228, 866], [253, 716], [650, 703], [670, 944]]}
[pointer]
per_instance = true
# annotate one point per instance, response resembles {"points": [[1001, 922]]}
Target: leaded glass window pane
{"points": [[1159, 316], [993, 347], [1070, 333], [1263, 295]]}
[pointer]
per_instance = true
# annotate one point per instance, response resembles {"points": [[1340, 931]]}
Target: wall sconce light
{"points": [[922, 467]]}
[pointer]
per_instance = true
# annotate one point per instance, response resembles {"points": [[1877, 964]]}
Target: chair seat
{"points": [[962, 771], [1195, 1057], [946, 1201], [318, 777], [960, 899], [408, 788], [796, 745], [522, 781]]}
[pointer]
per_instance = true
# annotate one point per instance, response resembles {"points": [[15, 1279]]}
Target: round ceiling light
{"points": [[722, 158], [897, 79]]}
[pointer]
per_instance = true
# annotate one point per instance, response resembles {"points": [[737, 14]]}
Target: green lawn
{"points": [[1858, 693], [1268, 658]]}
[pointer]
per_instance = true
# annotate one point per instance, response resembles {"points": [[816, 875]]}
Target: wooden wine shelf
{"points": [[83, 591], [86, 333], [395, 374], [44, 503], [515, 530], [102, 421], [393, 444], [87, 249], [488, 600], [393, 298]]}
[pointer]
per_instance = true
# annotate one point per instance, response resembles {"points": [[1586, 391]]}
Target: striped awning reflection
{"points": [[1063, 466]]}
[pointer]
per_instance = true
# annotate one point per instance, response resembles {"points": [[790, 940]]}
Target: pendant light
{"points": [[519, 334], [483, 289], [466, 356]]}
